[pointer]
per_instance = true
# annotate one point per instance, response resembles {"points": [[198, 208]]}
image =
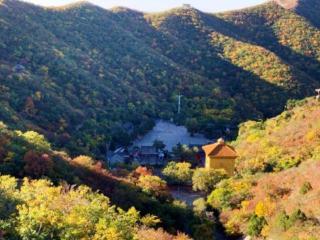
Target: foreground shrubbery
{"points": [[24, 154], [38, 210]]}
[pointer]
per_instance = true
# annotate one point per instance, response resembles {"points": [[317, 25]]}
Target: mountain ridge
{"points": [[95, 64]]}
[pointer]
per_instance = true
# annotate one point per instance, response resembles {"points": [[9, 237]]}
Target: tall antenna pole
{"points": [[107, 153], [179, 103]]}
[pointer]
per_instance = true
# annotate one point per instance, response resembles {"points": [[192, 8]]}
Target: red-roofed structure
{"points": [[219, 155]]}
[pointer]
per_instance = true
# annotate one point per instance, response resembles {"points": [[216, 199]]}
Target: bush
{"points": [[286, 163], [35, 139], [204, 231], [178, 173], [44, 211], [305, 188], [84, 161], [199, 206], [37, 165], [206, 179], [152, 185], [230, 193], [284, 222], [143, 171], [255, 225]]}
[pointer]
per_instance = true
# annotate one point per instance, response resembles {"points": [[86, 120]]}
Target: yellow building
{"points": [[219, 155]]}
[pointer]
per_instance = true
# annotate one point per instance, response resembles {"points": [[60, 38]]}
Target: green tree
{"points": [[159, 145], [84, 161], [37, 140], [199, 206], [206, 179], [178, 173], [152, 184], [255, 225], [192, 125]]}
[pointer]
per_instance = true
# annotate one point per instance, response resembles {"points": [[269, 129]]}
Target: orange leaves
{"points": [[36, 164], [143, 171]]}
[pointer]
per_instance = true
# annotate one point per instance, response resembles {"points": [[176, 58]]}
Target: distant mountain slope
{"points": [[306, 8], [83, 75]]}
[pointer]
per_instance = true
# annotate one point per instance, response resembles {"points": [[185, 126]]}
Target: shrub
{"points": [[35, 139], [297, 215], [199, 206], [265, 208], [150, 220], [178, 173], [152, 184], [206, 179], [143, 171], [204, 231], [286, 162], [255, 225], [305, 188], [230, 193], [37, 165], [284, 222], [220, 198], [84, 161]]}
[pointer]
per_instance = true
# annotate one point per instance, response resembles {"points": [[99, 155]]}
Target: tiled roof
{"points": [[220, 149]]}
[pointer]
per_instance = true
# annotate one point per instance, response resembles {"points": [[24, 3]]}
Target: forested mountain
{"points": [[83, 75]]}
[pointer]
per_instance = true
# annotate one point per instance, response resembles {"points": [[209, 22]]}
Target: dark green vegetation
{"points": [[90, 75]]}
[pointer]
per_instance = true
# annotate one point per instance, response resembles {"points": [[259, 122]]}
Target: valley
{"points": [[118, 124], [171, 135]]}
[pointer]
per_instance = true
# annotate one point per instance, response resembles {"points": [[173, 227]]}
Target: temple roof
{"points": [[220, 149]]}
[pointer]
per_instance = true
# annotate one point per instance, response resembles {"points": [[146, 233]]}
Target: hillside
{"points": [[87, 75], [276, 192], [280, 206], [45, 192], [281, 142]]}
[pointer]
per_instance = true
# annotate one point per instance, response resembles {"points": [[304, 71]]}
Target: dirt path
{"points": [[185, 194]]}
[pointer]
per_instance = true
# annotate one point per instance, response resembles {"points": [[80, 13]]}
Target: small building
{"points": [[120, 155], [219, 155], [186, 6], [148, 155]]}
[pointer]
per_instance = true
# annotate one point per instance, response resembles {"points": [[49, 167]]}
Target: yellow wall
{"points": [[221, 163]]}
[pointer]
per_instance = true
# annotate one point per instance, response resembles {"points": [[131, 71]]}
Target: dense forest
{"points": [[83, 76]]}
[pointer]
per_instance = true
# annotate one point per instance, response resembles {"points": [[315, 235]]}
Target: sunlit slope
{"points": [[91, 75]]}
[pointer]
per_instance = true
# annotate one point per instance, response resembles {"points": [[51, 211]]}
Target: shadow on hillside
{"points": [[305, 69], [254, 97], [310, 10]]}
